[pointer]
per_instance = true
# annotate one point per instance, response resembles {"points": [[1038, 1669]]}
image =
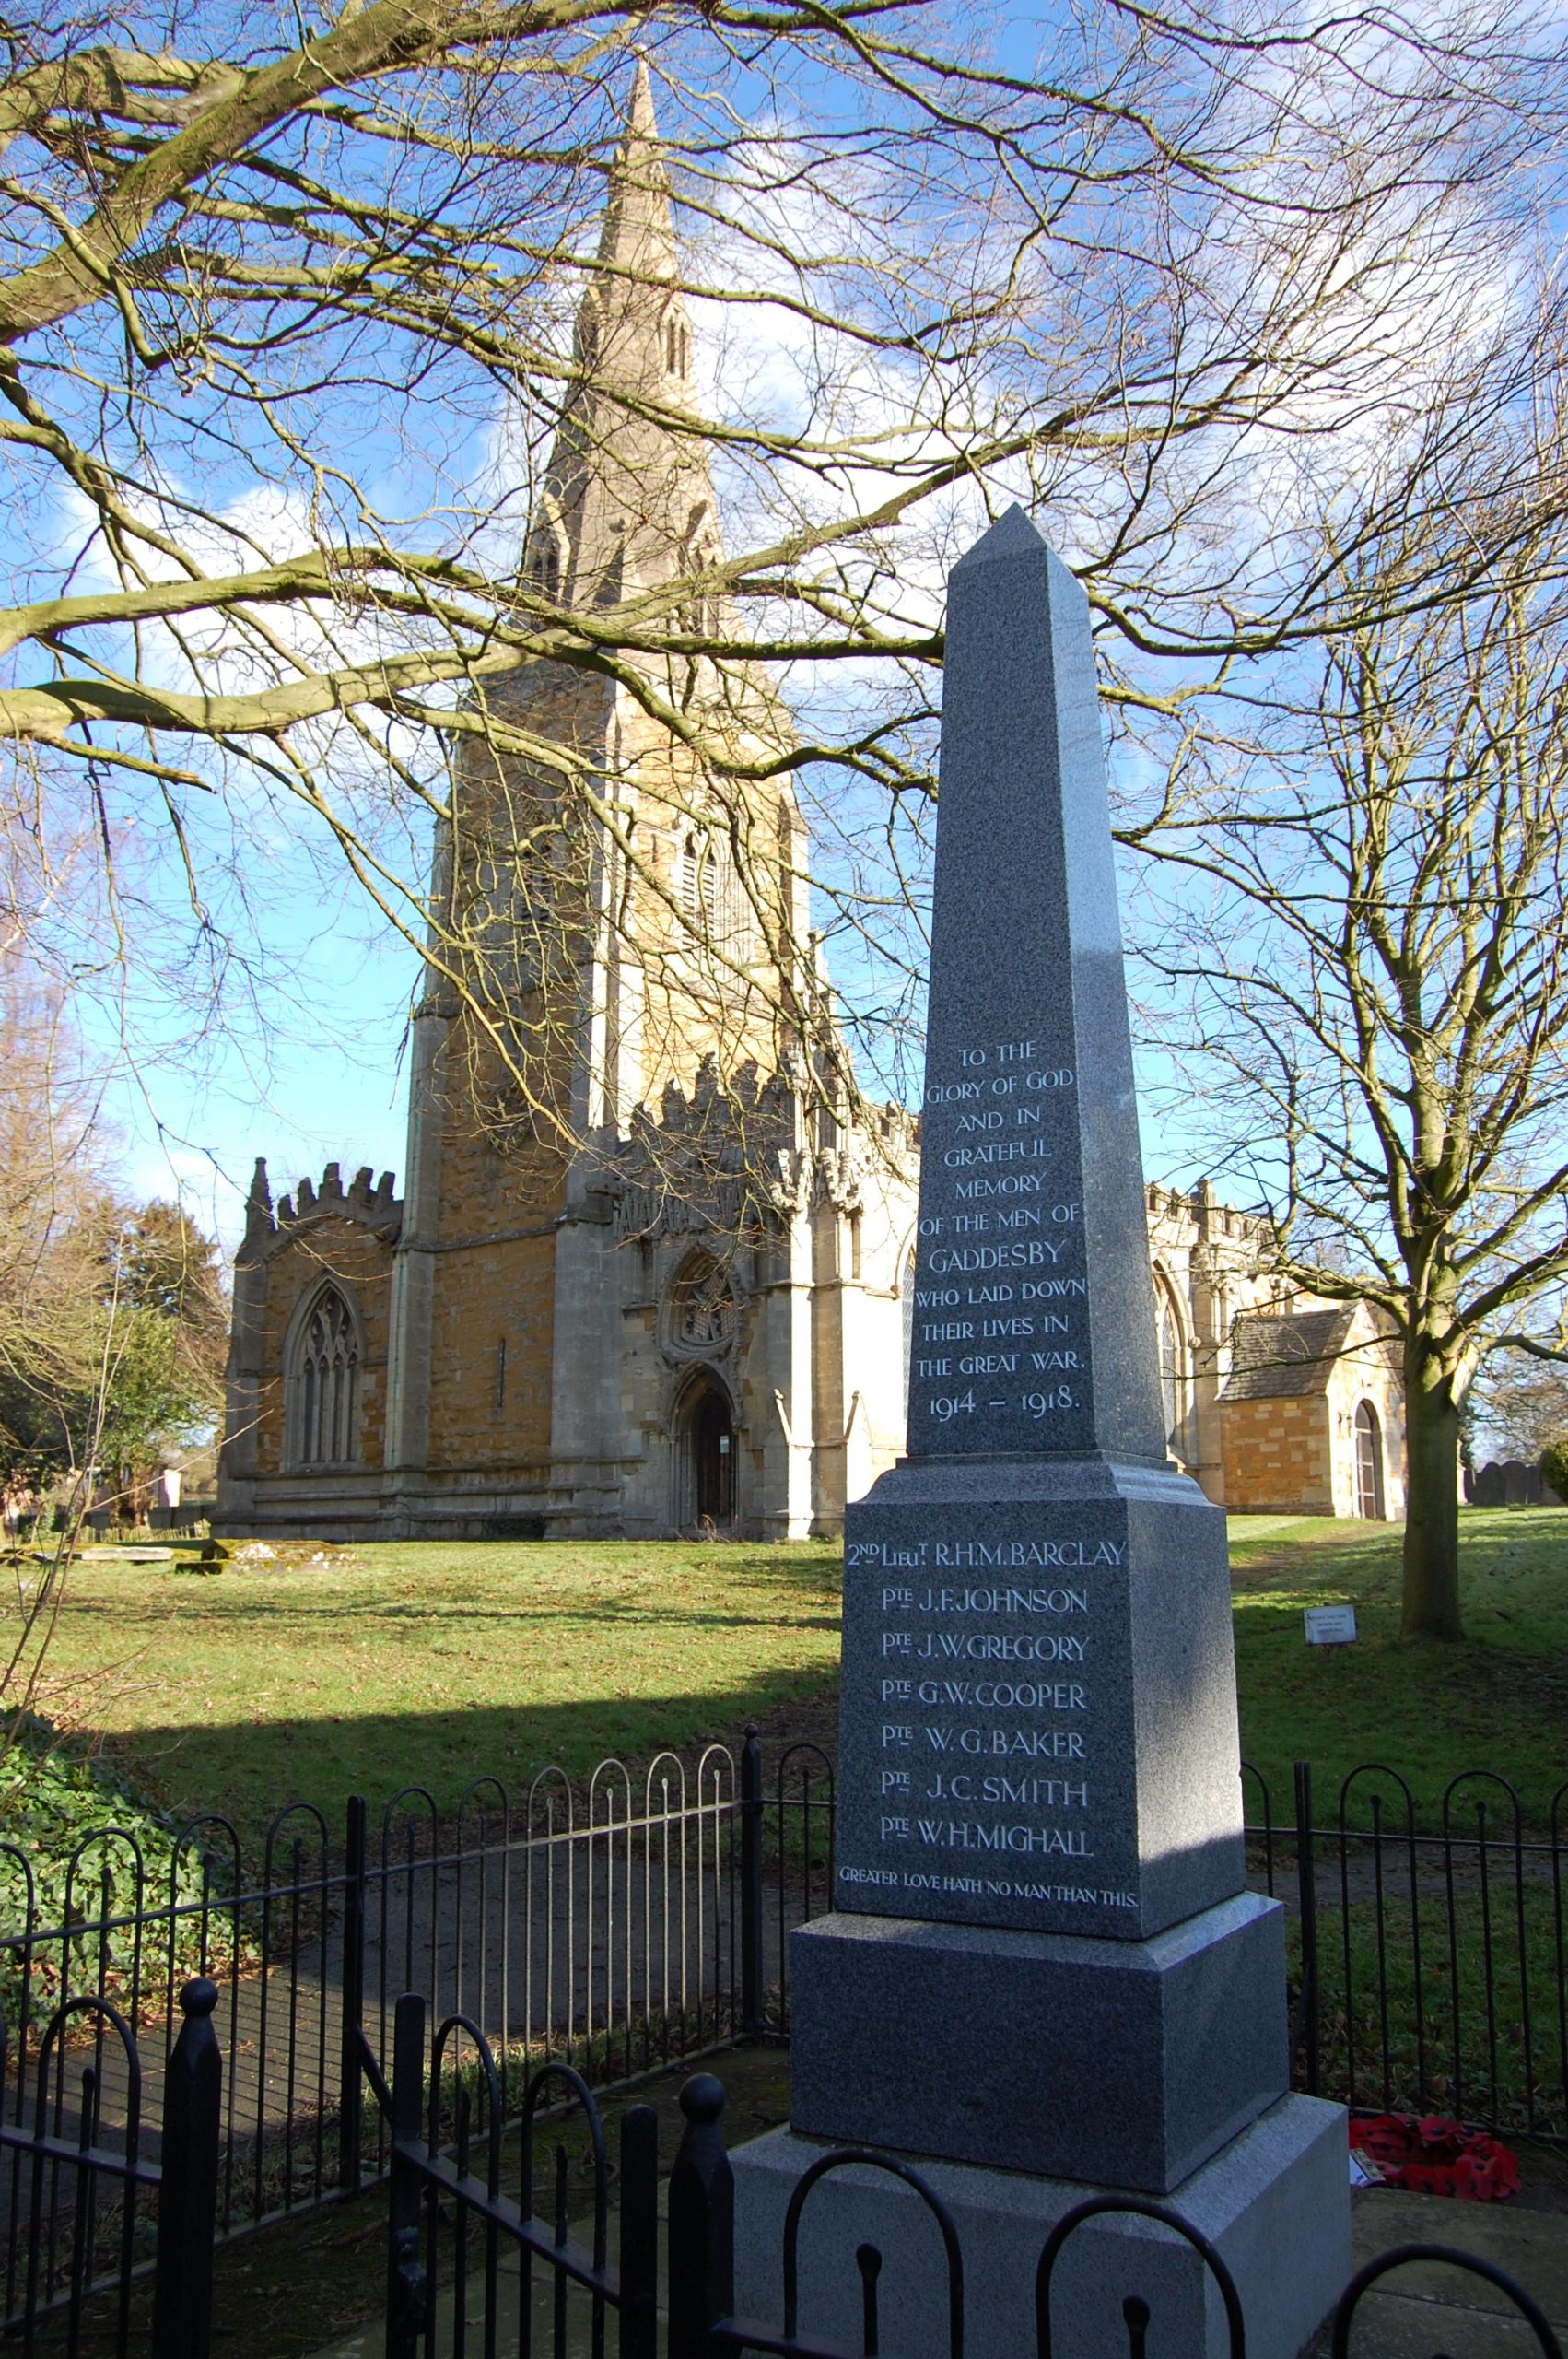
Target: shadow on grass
{"points": [[249, 1770], [281, 1612]]}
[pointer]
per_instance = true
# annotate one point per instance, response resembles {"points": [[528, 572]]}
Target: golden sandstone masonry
{"points": [[647, 1271]]}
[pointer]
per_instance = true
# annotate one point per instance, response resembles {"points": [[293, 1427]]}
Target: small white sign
{"points": [[1329, 1626]]}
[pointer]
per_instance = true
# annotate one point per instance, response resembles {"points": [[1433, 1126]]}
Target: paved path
{"points": [[1426, 2308]]}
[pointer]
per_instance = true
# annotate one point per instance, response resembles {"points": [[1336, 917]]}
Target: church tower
{"points": [[647, 1274], [619, 912]]}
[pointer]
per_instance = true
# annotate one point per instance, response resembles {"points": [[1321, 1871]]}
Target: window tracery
{"points": [[710, 893], [1173, 1366], [327, 1383], [703, 1315]]}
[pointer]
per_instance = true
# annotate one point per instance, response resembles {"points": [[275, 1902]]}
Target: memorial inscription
{"points": [[995, 1699], [1041, 1977], [1000, 1289], [988, 1755]]}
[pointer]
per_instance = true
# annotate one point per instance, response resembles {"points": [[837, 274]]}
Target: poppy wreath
{"points": [[1437, 2157]]}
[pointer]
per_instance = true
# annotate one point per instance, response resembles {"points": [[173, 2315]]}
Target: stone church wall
{"points": [[333, 1251], [492, 1340], [1278, 1459]]}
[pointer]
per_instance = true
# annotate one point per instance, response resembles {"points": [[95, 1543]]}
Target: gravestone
{"points": [[1489, 1489], [1521, 1484], [1043, 1978]]}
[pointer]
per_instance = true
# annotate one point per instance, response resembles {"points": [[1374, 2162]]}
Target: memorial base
{"points": [[1126, 2062], [1275, 2202]]}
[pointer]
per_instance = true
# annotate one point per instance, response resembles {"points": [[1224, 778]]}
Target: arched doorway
{"points": [[1369, 1463], [708, 1452]]}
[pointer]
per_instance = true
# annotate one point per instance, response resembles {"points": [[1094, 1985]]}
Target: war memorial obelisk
{"points": [[1043, 1978]]}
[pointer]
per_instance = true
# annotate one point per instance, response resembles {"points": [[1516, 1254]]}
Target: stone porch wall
{"points": [[1278, 1456]]}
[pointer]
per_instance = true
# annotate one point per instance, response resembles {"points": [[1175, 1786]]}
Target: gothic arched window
{"points": [[698, 880], [1173, 1366], [711, 895], [907, 1306], [326, 1383]]}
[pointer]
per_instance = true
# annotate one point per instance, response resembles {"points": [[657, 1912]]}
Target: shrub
{"points": [[89, 1847], [1554, 1467]]}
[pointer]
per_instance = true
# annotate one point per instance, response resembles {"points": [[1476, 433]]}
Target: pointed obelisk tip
{"points": [[1015, 535]]}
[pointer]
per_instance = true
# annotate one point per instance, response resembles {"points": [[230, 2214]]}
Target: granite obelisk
{"points": [[1035, 1560], [1043, 1959]]}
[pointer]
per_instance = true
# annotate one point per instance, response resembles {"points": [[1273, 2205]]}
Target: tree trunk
{"points": [[1431, 1509]]}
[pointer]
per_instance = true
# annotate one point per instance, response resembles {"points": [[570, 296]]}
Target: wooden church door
{"points": [[713, 1441]]}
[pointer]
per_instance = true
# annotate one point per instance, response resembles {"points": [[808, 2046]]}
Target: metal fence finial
{"points": [[702, 2223], [187, 2202]]}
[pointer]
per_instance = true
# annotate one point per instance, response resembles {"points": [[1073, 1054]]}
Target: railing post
{"points": [[640, 2233], [1307, 1890], [407, 2287], [702, 2223], [351, 2078], [187, 2195], [751, 1882]]}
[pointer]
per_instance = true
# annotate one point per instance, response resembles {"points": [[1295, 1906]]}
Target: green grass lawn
{"points": [[1498, 1702], [434, 1663]]}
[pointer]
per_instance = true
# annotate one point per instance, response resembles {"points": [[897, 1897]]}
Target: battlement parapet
{"points": [[743, 1102], [728, 1151], [1200, 1209], [365, 1199]]}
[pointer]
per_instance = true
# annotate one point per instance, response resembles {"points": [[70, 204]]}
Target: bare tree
{"points": [[292, 321], [1363, 917], [1520, 1404]]}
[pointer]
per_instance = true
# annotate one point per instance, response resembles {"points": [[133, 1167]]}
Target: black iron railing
{"points": [[614, 1923], [470, 2262], [1429, 1951], [701, 2267], [90, 2206], [458, 2243], [627, 1920]]}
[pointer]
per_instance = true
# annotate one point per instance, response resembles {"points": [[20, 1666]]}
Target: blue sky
{"points": [[307, 1066], [325, 1085], [336, 1096]]}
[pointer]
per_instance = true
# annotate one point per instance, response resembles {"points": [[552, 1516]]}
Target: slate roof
{"points": [[1275, 1356]]}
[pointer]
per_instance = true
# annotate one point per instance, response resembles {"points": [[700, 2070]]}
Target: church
{"points": [[650, 1270]]}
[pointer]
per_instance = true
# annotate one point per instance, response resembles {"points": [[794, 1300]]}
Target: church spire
{"points": [[629, 501], [639, 235]]}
